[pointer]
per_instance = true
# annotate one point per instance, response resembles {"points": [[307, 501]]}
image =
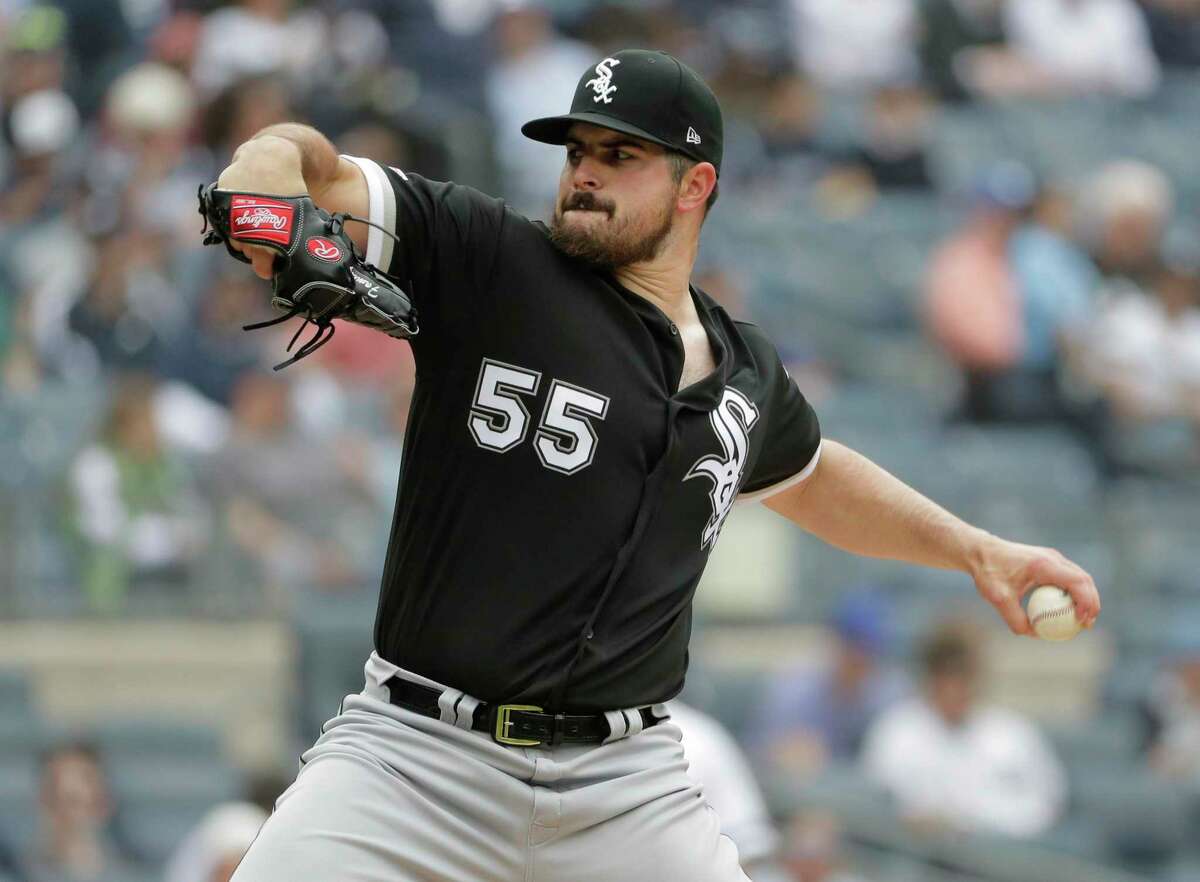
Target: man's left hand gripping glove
{"points": [[318, 274]]}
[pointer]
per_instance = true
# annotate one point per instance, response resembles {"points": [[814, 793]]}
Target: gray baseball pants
{"points": [[386, 795]]}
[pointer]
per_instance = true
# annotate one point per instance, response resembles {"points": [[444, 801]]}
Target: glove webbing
{"points": [[325, 331]]}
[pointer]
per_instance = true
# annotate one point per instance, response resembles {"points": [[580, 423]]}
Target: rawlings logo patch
{"points": [[256, 219], [323, 249]]}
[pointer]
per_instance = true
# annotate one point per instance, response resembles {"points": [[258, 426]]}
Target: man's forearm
{"points": [[859, 507]]}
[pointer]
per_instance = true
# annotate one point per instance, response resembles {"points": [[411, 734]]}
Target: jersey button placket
{"points": [[674, 330]]}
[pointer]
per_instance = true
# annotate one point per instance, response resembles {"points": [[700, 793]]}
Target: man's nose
{"points": [[585, 175]]}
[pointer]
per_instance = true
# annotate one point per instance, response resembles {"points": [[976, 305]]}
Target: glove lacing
{"points": [[326, 331]]}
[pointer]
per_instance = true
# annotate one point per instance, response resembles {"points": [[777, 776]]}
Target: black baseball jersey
{"points": [[559, 497]]}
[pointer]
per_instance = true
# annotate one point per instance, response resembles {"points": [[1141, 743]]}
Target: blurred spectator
{"points": [[44, 260], [34, 58], [950, 31], [1125, 208], [1081, 47], [243, 109], [212, 851], [1056, 281], [952, 762], [790, 118], [893, 149], [254, 37], [123, 312], [535, 75], [267, 476], [102, 40], [1173, 710], [972, 299], [42, 127], [816, 714], [76, 840], [135, 504], [147, 170], [425, 35], [1175, 31], [813, 850], [716, 762], [856, 44], [210, 351], [382, 453], [1142, 350]]}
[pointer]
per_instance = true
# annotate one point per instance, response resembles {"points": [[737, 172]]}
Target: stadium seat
{"points": [[150, 739], [166, 781], [1094, 746], [1143, 818], [334, 641], [731, 695], [18, 800], [155, 831], [1186, 869]]}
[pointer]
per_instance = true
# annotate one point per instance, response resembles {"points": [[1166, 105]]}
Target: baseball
{"points": [[1052, 613]]}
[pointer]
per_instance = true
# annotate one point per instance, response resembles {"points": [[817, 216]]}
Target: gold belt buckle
{"points": [[503, 724]]}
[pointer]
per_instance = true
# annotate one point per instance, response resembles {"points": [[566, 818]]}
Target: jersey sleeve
{"points": [[791, 446], [447, 236]]}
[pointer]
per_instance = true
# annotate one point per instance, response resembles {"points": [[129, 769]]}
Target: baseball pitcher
{"points": [[583, 421]]}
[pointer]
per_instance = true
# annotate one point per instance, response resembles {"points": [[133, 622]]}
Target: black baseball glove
{"points": [[319, 274]]}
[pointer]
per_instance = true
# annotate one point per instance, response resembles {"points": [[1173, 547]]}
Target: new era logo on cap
{"points": [[692, 136]]}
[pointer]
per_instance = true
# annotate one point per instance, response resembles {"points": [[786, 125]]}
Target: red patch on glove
{"points": [[255, 219]]}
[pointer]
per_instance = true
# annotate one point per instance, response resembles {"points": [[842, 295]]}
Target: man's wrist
{"points": [[972, 549]]}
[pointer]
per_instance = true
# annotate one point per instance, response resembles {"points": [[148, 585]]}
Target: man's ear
{"points": [[698, 182]]}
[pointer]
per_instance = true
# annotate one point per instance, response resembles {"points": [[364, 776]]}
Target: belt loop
{"points": [[464, 716], [556, 736], [636, 723], [447, 704], [618, 725]]}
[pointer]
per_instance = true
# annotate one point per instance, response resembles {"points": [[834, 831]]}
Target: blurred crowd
{"points": [[1075, 305], [169, 469]]}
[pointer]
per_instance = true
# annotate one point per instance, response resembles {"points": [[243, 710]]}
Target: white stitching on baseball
{"points": [[1049, 614]]}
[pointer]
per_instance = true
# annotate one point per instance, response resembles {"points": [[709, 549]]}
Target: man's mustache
{"points": [[585, 201]]}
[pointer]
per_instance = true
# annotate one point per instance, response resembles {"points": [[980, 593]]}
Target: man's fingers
{"points": [[262, 260], [1013, 614], [1075, 581]]}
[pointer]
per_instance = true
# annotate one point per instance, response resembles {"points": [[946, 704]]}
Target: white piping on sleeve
{"points": [[377, 187], [780, 486]]}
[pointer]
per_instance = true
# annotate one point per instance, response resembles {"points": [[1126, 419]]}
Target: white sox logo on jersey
{"points": [[602, 81], [732, 420]]}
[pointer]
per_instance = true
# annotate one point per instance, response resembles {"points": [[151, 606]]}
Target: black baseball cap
{"points": [[648, 94]]}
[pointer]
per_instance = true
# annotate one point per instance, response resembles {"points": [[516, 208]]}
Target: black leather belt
{"points": [[519, 725]]}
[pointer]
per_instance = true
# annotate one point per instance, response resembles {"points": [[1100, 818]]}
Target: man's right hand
{"points": [[290, 159], [271, 166]]}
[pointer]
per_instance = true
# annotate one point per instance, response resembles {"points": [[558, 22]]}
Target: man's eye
{"points": [[621, 154]]}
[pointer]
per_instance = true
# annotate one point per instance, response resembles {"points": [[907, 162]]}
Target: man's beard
{"points": [[610, 245]]}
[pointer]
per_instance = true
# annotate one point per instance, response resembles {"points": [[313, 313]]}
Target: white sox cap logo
{"points": [[732, 420], [693, 137], [602, 81]]}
